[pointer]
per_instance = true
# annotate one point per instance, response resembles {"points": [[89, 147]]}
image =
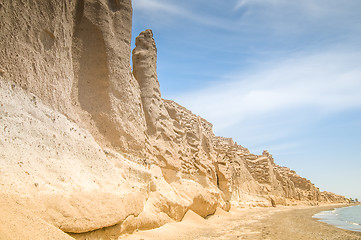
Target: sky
{"points": [[279, 75]]}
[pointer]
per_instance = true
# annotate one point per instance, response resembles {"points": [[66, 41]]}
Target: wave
{"points": [[348, 218], [353, 223]]}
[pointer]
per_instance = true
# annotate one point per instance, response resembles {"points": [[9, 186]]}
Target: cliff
{"points": [[89, 147]]}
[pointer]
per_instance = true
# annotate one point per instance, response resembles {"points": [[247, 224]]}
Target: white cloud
{"points": [[167, 10], [297, 17], [306, 6], [243, 3], [157, 5], [324, 83]]}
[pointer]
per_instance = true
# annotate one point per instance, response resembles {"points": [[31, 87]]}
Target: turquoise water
{"points": [[347, 218]]}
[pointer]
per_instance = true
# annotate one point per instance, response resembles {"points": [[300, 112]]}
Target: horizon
{"points": [[273, 75]]}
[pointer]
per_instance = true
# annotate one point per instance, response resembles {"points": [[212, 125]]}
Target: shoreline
{"points": [[300, 224], [279, 223], [330, 217]]}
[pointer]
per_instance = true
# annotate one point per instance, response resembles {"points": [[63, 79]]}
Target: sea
{"points": [[348, 218]]}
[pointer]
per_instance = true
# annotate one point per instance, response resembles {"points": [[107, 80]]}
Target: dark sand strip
{"points": [[299, 224]]}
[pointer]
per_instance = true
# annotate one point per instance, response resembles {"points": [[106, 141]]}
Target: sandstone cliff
{"points": [[89, 147]]}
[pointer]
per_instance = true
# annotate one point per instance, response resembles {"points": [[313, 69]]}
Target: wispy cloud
{"points": [[158, 6], [291, 17], [244, 3], [320, 7], [299, 88], [167, 10]]}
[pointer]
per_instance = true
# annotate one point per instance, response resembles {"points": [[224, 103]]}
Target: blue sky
{"points": [[279, 75]]}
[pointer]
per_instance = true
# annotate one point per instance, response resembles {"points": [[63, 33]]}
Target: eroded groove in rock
{"points": [[91, 71], [79, 12], [116, 5], [91, 74]]}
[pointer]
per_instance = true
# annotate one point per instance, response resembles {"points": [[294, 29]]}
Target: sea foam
{"points": [[348, 218]]}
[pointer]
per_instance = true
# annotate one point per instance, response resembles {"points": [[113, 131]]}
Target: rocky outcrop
{"points": [[145, 71], [74, 55], [91, 148], [104, 91]]}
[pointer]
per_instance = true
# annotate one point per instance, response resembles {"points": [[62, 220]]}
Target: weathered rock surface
{"points": [[92, 149]]}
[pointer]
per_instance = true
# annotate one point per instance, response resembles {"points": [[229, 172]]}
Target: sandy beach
{"points": [[280, 223]]}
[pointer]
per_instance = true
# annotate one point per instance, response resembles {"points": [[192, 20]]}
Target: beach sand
{"points": [[280, 223]]}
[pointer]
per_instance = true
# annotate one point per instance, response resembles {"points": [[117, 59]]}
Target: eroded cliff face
{"points": [[74, 55], [92, 149]]}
